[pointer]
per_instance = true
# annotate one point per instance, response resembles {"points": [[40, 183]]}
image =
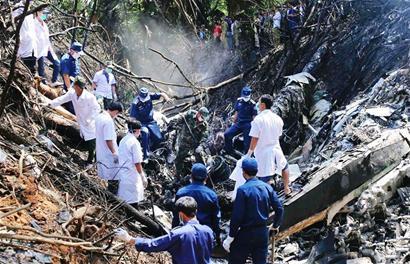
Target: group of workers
{"points": [[197, 233], [196, 219], [227, 32], [197, 212], [268, 26], [35, 46], [196, 215]]}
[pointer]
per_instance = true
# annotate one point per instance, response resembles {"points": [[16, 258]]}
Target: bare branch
{"points": [[173, 62]]}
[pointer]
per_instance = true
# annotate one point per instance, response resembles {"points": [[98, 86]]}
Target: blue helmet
{"points": [[77, 47], [143, 92], [246, 91], [250, 164], [198, 171]]}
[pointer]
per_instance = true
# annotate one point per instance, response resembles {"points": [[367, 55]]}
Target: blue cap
{"points": [[143, 92], [250, 164], [198, 171], [246, 91], [78, 47]]}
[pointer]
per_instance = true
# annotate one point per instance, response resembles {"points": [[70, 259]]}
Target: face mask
{"points": [[76, 55], [257, 108], [108, 70], [43, 17], [136, 133], [145, 99], [181, 221]]}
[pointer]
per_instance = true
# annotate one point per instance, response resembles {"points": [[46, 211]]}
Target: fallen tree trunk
{"points": [[339, 178], [46, 90]]}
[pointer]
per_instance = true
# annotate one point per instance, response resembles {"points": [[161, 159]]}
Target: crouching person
{"points": [[190, 244], [132, 177]]}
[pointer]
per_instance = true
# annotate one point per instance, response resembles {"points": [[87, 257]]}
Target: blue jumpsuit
{"points": [[189, 244], [143, 112], [208, 205], [249, 219], [245, 110], [70, 66]]}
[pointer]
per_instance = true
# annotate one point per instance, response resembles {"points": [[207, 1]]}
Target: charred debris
{"points": [[342, 88]]}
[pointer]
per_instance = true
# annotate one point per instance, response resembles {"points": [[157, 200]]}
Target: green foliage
{"points": [[219, 5], [269, 4]]}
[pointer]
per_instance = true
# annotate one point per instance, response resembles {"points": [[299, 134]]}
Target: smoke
{"points": [[203, 64]]}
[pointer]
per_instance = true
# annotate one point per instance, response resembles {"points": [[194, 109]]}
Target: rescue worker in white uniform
{"points": [[104, 86], [266, 129], [28, 40], [45, 49], [86, 110], [106, 142], [132, 177]]}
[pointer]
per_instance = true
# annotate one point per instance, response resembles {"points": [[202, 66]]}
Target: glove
{"points": [[144, 180], [227, 243], [287, 190], [199, 149], [122, 235], [115, 158], [274, 231]]}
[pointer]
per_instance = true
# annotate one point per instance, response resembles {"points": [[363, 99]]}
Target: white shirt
{"points": [[267, 127], [28, 38], [43, 38], [86, 110], [276, 19], [105, 130], [103, 87], [131, 187]]}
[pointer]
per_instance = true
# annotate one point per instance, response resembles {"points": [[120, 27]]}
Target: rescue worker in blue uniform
{"points": [[70, 68], [248, 231], [142, 110], [245, 111], [190, 244], [208, 206]]}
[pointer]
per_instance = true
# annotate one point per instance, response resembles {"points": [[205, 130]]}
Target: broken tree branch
{"points": [[31, 229], [90, 19], [75, 20], [175, 64], [45, 240], [70, 29], [15, 210], [32, 11], [6, 90]]}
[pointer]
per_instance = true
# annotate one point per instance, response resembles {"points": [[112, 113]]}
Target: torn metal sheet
{"points": [[343, 175], [302, 77], [404, 194], [383, 111]]}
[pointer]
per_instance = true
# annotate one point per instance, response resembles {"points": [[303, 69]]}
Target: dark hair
{"points": [[79, 81], [267, 99], [133, 124], [187, 205], [251, 173], [115, 106]]}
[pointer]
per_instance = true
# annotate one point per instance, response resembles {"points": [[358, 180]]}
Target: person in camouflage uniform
{"points": [[191, 138]]}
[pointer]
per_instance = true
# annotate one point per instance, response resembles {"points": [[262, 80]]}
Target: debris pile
{"points": [[371, 229], [52, 209], [372, 223]]}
